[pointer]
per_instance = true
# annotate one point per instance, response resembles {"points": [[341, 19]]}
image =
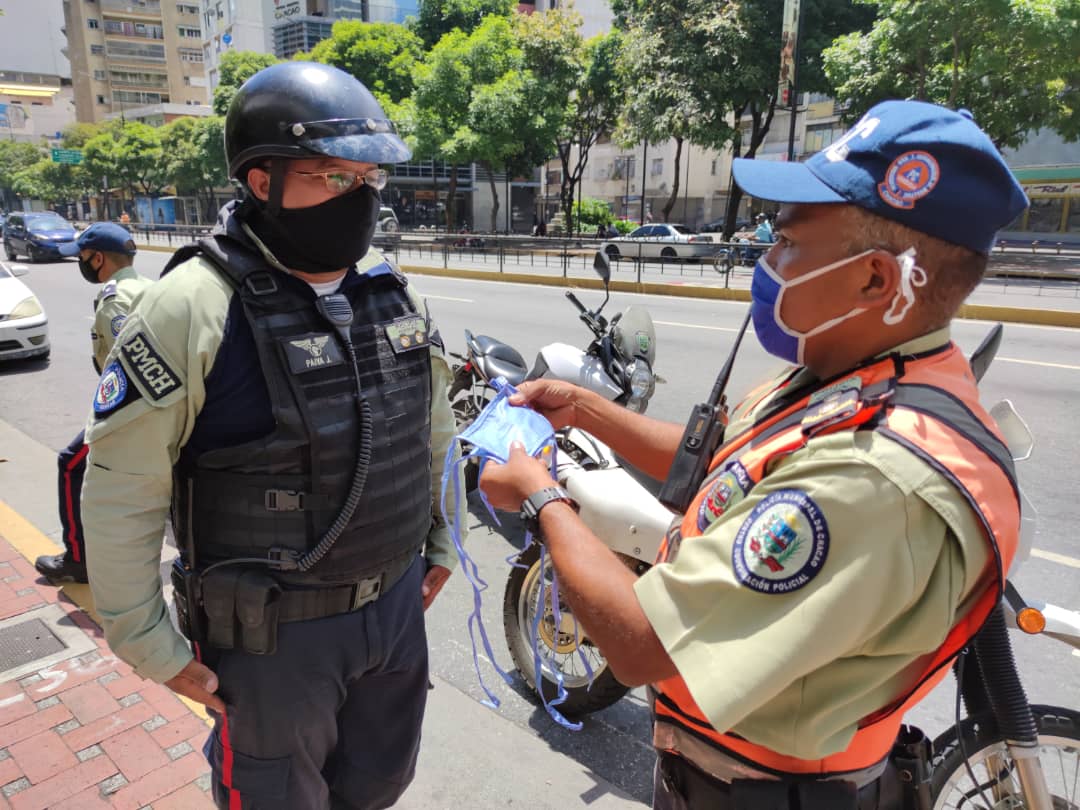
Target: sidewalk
{"points": [[85, 732]]}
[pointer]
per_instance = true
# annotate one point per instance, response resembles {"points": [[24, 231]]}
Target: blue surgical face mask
{"points": [[767, 295]]}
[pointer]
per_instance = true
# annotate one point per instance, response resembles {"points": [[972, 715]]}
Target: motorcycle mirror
{"points": [[602, 265]]}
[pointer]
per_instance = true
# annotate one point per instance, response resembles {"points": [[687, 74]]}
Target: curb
{"points": [[978, 312]]}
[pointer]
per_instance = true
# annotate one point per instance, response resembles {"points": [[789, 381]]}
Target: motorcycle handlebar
{"points": [[574, 300]]}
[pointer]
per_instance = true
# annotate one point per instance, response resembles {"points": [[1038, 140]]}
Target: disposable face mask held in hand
{"points": [[490, 436]]}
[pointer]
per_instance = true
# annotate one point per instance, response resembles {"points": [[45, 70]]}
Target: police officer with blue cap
{"points": [[105, 252], [280, 394], [856, 524]]}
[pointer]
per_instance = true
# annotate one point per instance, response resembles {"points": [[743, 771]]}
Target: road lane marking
{"points": [[1060, 559], [696, 326], [1038, 363], [448, 298]]}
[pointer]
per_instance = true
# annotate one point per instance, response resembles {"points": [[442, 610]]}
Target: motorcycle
{"points": [[618, 365]]}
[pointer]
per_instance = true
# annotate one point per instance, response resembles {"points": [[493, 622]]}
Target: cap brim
{"points": [[782, 182], [69, 249]]}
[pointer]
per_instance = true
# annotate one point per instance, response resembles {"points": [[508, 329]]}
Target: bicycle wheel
{"points": [[998, 786]]}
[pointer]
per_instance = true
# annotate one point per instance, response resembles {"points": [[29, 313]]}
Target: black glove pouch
{"points": [[242, 607]]}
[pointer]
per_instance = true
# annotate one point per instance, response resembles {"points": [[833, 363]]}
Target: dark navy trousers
{"points": [[332, 719], [72, 463]]}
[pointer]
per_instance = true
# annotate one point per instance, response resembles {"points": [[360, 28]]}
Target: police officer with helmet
{"points": [[852, 531], [280, 394]]}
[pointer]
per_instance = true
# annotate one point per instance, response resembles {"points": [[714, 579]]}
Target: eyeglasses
{"points": [[338, 182]]}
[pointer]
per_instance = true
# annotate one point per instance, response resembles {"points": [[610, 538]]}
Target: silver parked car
{"points": [[663, 241]]}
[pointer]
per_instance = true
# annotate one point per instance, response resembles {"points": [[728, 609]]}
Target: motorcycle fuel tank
{"points": [[564, 362]]}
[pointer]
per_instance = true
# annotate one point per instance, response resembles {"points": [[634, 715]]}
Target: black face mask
{"points": [[88, 271], [324, 238]]}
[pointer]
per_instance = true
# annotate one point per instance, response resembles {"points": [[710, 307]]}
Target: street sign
{"points": [[67, 156]]}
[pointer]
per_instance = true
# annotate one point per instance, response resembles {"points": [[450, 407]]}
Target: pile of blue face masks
{"points": [[490, 436]]}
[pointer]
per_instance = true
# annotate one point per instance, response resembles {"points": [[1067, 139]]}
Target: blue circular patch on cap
{"points": [[909, 178], [111, 389], [782, 546]]}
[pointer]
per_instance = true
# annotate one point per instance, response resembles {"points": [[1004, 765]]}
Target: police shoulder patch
{"points": [[116, 324], [782, 545], [111, 390], [148, 367], [726, 489]]}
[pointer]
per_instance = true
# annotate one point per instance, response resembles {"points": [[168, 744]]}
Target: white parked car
{"points": [[663, 241], [24, 330]]}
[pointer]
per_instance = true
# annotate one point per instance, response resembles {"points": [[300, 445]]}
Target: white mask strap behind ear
{"points": [[910, 275]]}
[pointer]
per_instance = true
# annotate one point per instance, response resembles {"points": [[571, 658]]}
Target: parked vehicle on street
{"points": [[38, 235], [663, 241], [24, 329], [387, 229]]}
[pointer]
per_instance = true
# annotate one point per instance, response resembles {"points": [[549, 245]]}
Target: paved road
{"points": [[1038, 369]]}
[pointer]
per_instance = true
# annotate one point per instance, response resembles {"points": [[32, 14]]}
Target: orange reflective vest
{"points": [[929, 404]]}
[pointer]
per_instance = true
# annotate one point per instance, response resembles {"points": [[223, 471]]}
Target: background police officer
{"points": [[282, 392], [105, 252], [855, 526]]}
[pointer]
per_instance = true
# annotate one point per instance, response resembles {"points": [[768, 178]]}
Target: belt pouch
{"points": [[219, 601], [258, 603]]}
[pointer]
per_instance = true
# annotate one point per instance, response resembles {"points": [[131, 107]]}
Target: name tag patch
{"points": [[312, 352], [408, 333], [148, 367]]}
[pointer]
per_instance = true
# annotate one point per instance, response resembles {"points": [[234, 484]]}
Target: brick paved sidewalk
{"points": [[88, 733]]}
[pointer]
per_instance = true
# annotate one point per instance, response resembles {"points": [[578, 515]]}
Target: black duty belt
{"points": [[303, 604]]}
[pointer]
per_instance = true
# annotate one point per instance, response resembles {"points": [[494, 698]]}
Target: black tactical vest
{"points": [[285, 489]]}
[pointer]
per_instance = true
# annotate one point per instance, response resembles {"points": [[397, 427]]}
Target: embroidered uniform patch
{"points": [[116, 324], [404, 334], [782, 545], [148, 367], [910, 177], [111, 389], [724, 492], [832, 404], [312, 352]]}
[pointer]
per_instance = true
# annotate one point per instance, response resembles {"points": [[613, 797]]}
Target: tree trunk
{"points": [[451, 194], [494, 196], [675, 186], [757, 135]]}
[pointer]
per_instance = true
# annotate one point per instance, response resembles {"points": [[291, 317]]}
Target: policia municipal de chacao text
{"points": [[279, 395], [854, 529]]}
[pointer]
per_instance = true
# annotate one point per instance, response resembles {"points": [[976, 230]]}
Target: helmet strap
{"points": [[277, 186]]}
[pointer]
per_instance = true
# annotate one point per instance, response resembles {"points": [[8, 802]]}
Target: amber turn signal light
{"points": [[1031, 621]]}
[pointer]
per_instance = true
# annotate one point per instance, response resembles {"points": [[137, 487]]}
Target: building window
{"points": [[189, 33], [820, 136], [657, 166], [99, 75], [184, 8], [97, 50], [101, 100], [190, 56], [713, 172], [92, 23]]}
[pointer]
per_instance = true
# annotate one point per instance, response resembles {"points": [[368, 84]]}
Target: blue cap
{"points": [[104, 236], [924, 166]]}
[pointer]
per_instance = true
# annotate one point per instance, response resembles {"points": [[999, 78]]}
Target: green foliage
{"points": [[381, 55], [437, 18], [1013, 63], [591, 212], [235, 68], [624, 226], [15, 157]]}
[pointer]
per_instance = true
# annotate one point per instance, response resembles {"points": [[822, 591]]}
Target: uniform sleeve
{"points": [[150, 392], [817, 563], [108, 320], [440, 548]]}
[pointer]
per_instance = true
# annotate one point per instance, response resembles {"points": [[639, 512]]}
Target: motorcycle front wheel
{"points": [[997, 785], [560, 650]]}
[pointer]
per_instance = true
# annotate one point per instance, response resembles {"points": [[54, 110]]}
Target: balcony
{"points": [[139, 84], [134, 30], [148, 8]]}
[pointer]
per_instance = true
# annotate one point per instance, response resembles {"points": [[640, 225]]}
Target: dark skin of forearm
{"points": [[600, 591], [648, 444]]}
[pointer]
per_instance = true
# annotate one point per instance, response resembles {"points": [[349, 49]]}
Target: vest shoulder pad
{"points": [[107, 292]]}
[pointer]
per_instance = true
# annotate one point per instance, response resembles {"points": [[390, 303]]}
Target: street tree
{"points": [[15, 156], [437, 18], [195, 160], [1012, 63], [235, 68], [382, 56]]}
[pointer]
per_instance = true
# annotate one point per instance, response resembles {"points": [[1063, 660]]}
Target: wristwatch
{"points": [[531, 506]]}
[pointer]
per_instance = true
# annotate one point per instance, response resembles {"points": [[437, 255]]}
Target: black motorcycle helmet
{"points": [[303, 110]]}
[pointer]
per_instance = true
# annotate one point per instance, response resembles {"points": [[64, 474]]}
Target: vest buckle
{"points": [[261, 283], [366, 590], [283, 500]]}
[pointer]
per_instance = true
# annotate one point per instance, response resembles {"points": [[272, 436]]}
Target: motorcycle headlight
{"points": [[642, 381], [27, 308]]}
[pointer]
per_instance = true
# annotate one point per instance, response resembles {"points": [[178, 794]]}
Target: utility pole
{"points": [[686, 190], [644, 169], [795, 80]]}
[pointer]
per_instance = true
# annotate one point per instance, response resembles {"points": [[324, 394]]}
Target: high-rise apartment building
{"points": [[134, 54]]}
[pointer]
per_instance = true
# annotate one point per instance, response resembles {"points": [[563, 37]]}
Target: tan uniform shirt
{"points": [[113, 303], [796, 671], [128, 484]]}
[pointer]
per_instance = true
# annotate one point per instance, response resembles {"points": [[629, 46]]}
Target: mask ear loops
{"points": [[911, 275]]}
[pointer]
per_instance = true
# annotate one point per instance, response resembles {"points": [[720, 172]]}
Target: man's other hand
{"points": [[199, 683], [434, 580]]}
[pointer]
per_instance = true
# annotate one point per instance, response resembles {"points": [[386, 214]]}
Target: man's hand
{"points": [[199, 683], [507, 485], [434, 580], [556, 400]]}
